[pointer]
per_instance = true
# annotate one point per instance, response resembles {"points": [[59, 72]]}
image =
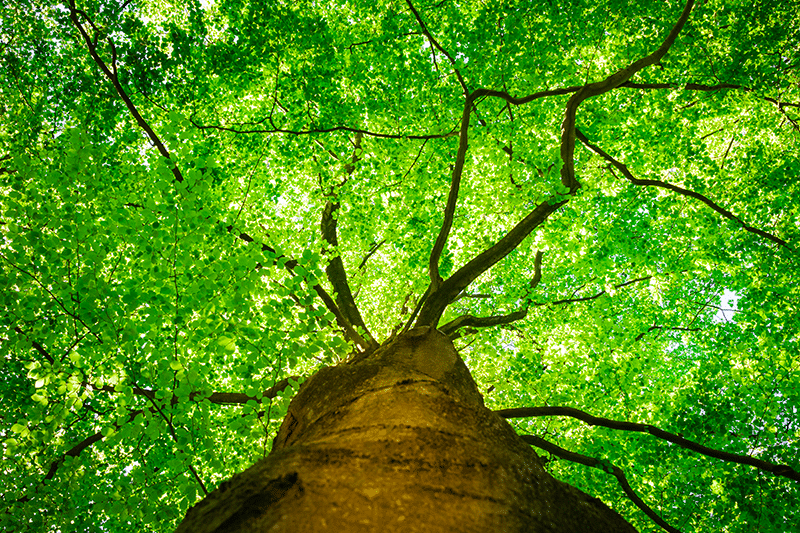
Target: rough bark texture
{"points": [[398, 441]]}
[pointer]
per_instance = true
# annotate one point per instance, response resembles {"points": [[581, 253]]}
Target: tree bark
{"points": [[398, 440]]}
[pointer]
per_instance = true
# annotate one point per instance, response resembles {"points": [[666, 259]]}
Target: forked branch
{"points": [[452, 197], [595, 89], [433, 42], [449, 289], [338, 276], [443, 292], [465, 321]]}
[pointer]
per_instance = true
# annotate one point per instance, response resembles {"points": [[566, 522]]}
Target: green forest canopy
{"points": [[178, 179]]}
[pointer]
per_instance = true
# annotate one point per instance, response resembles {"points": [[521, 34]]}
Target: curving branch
{"points": [[55, 299], [443, 292], [524, 412], [436, 45], [452, 197], [335, 271], [334, 129], [595, 89], [471, 321], [594, 296], [680, 190], [112, 76], [780, 104], [220, 398], [607, 467], [458, 170], [641, 335]]}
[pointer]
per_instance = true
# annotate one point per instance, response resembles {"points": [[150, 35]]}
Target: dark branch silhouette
{"points": [[438, 300], [469, 321], [438, 46], [524, 412], [442, 293], [338, 277], [613, 81], [112, 76], [452, 198], [607, 467], [680, 190]]}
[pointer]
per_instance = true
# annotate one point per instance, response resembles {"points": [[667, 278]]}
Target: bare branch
{"points": [[174, 436], [708, 88], [458, 170], [606, 467], [484, 322], [441, 297], [436, 44], [680, 190], [84, 444], [595, 89], [112, 76], [641, 335], [524, 412], [452, 198], [465, 321], [338, 276], [438, 300], [366, 133], [114, 79], [594, 296]]}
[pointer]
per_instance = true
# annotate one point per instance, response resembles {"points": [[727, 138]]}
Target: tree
{"points": [[205, 204]]}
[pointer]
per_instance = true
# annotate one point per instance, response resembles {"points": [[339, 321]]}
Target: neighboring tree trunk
{"points": [[398, 440]]}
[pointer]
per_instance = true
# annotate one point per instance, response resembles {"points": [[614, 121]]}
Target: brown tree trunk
{"points": [[398, 441]]}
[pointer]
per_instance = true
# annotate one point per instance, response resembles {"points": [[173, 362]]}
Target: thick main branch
{"points": [[452, 197], [439, 299], [465, 321]]}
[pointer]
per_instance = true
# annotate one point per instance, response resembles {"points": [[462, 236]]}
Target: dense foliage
{"points": [[166, 167]]}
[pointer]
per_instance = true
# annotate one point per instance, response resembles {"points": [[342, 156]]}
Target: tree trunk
{"points": [[398, 441]]}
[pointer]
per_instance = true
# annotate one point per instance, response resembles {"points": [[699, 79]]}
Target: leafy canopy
{"points": [[189, 192]]}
